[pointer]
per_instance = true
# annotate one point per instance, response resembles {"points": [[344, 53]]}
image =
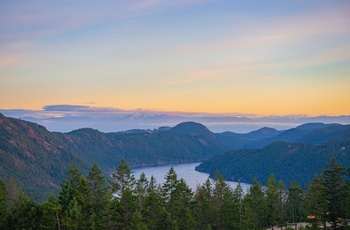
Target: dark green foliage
{"points": [[334, 191], [204, 211], [25, 213], [272, 201], [255, 204], [178, 201], [287, 161], [294, 204], [51, 214], [4, 210], [87, 203]]}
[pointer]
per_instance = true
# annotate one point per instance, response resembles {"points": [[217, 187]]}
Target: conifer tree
{"points": [[51, 213], [238, 206], [98, 194], [141, 191], [137, 222], [223, 204], [70, 187], [255, 202], [281, 210], [73, 219], [272, 199], [4, 210], [127, 207], [333, 185], [204, 209], [122, 179], [155, 215], [315, 205], [295, 203], [25, 212]]}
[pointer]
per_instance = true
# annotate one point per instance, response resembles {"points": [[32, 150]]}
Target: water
{"points": [[186, 171]]}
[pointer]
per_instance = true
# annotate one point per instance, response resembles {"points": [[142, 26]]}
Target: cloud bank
{"points": [[65, 118]]}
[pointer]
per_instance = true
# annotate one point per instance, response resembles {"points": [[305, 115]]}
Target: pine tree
{"points": [[238, 206], [51, 214], [223, 204], [70, 187], [4, 210], [282, 197], [25, 212], [122, 179], [333, 184], [204, 209], [127, 206], [141, 191], [98, 194], [272, 198], [183, 201], [315, 205], [137, 222], [155, 215], [73, 218], [255, 201], [295, 203], [168, 193]]}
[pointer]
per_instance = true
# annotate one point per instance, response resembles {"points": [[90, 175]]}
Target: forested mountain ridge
{"points": [[309, 133], [38, 159], [237, 140], [287, 161], [312, 133]]}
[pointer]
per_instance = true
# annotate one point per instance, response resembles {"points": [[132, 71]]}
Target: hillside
{"points": [[287, 161], [310, 133], [38, 159], [237, 140]]}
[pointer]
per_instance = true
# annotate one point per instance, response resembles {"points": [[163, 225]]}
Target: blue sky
{"points": [[218, 57]]}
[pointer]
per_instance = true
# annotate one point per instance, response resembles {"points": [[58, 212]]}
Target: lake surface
{"points": [[185, 170]]}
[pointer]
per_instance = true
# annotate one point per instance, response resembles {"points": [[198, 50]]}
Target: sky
{"points": [[217, 57]]}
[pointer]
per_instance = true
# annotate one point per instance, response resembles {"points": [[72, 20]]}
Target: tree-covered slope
{"points": [[287, 161], [310, 133], [237, 140], [38, 159], [141, 149], [315, 133], [35, 157]]}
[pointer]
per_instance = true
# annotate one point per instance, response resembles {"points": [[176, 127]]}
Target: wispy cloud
{"points": [[6, 60], [65, 118]]}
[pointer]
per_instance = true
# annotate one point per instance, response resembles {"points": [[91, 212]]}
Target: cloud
{"points": [[65, 118], [32, 20]]}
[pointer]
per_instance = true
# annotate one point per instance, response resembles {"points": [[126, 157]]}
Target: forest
{"points": [[287, 161], [124, 202]]}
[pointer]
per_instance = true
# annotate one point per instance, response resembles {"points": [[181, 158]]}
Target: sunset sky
{"points": [[211, 56]]}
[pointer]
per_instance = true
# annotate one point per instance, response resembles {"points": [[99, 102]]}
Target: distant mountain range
{"points": [[311, 133], [65, 118], [38, 159]]}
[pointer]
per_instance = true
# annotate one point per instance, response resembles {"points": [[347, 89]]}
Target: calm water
{"points": [[186, 171]]}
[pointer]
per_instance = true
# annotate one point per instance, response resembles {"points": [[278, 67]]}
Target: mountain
{"points": [[291, 135], [236, 140], [35, 157], [193, 129], [38, 159], [287, 161], [309, 133]]}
